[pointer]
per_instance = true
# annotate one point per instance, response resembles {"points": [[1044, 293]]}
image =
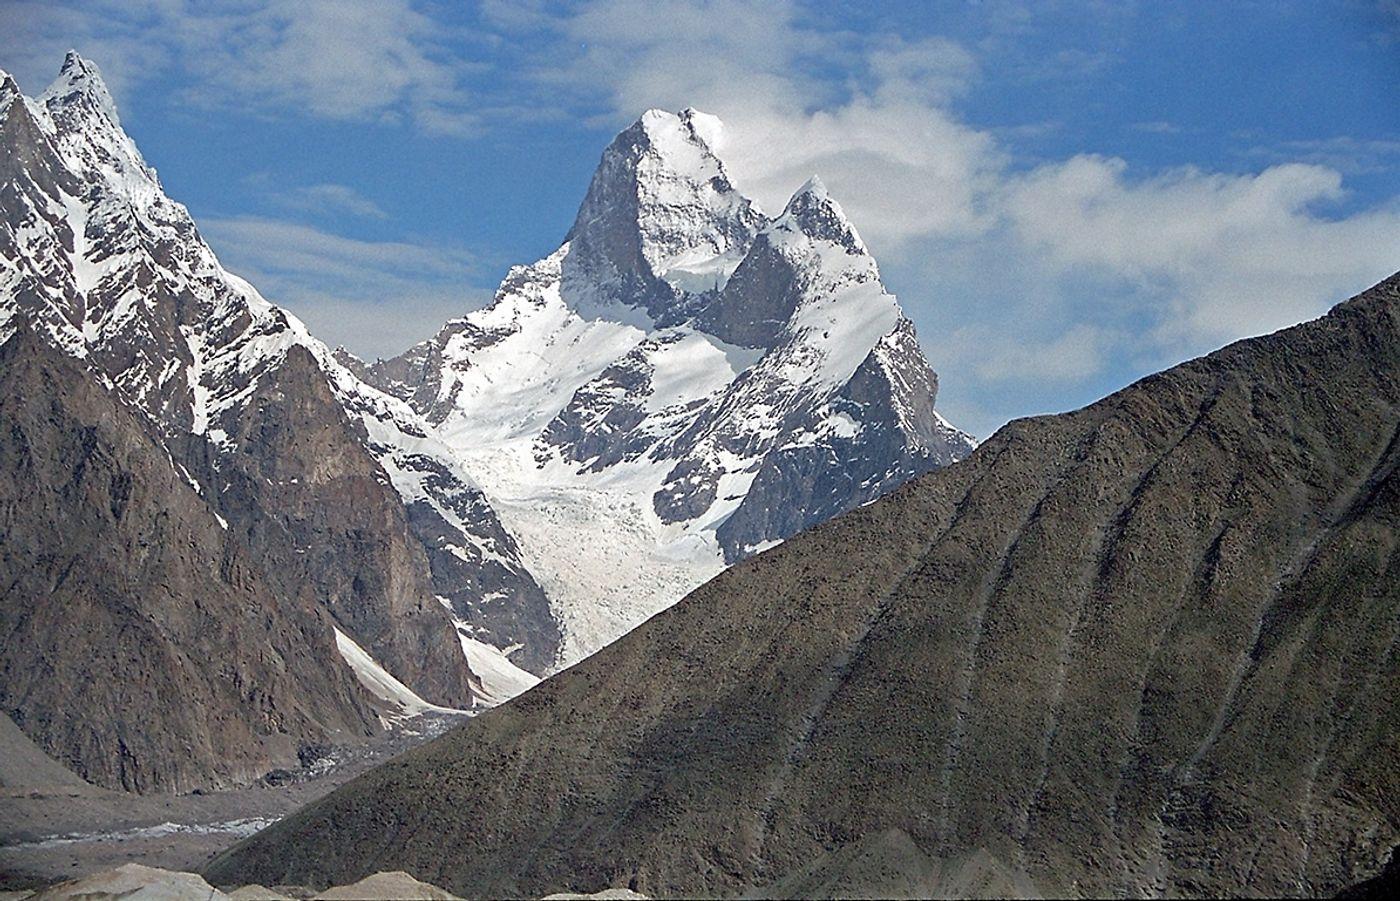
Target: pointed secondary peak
{"points": [[816, 214], [814, 186], [73, 62], [79, 81]]}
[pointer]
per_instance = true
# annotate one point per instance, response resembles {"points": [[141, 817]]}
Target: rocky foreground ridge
{"points": [[1150, 647]]}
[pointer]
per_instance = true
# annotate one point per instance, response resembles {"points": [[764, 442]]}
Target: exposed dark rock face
{"points": [[320, 515], [894, 434], [140, 645], [1148, 647]]}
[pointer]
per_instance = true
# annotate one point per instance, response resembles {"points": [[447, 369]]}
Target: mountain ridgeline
{"points": [[1145, 648], [684, 382]]}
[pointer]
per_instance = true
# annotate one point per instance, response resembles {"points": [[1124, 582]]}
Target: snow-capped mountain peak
{"points": [[661, 217], [116, 273], [8, 91], [80, 83], [683, 382], [813, 212]]}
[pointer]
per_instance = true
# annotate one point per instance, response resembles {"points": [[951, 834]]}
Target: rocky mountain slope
{"points": [[684, 382], [142, 647], [1145, 648], [332, 492]]}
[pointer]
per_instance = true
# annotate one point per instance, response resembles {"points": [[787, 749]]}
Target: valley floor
{"points": [[50, 835]]}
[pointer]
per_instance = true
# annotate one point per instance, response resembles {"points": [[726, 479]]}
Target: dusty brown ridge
{"points": [[1145, 647]]}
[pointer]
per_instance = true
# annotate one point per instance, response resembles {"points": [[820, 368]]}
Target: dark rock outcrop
{"points": [[269, 435], [319, 514]]}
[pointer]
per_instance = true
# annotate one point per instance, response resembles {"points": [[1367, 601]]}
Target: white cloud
{"points": [[1092, 267], [353, 61], [332, 59], [1220, 255], [900, 169]]}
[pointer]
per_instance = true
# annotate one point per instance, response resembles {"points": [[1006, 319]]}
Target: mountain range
{"points": [[209, 513]]}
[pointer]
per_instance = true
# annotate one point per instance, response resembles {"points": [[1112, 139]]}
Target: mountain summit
{"points": [[80, 83], [682, 383], [660, 212], [174, 386]]}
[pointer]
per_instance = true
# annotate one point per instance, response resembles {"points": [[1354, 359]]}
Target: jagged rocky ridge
{"points": [[684, 382], [1151, 647], [335, 491]]}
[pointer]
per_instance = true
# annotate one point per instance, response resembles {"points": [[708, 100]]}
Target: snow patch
{"points": [[401, 700]]}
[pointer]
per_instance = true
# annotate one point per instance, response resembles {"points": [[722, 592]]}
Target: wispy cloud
{"points": [[1348, 155], [377, 297], [382, 61], [322, 200], [1156, 128]]}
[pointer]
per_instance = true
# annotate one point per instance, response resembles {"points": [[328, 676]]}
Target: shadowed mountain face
{"points": [[141, 644], [1148, 647]]}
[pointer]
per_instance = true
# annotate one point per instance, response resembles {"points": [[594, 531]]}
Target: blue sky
{"points": [[1065, 196]]}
